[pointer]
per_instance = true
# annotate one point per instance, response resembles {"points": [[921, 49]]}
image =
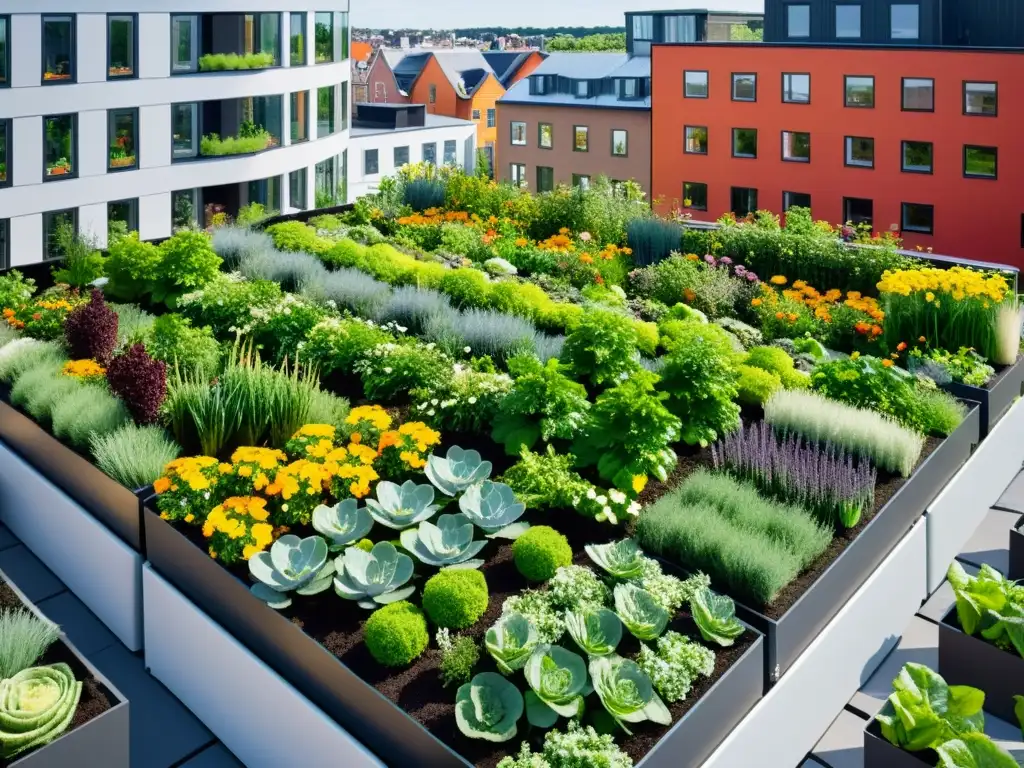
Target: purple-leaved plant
{"points": [[140, 381], [91, 330], [825, 479]]}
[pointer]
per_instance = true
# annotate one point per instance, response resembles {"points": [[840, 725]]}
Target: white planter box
{"points": [[104, 572], [789, 721], [963, 504], [262, 719]]}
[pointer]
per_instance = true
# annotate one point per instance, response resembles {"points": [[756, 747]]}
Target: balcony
{"points": [[225, 127], [224, 42]]}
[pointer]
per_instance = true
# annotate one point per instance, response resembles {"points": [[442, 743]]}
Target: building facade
{"points": [[144, 117], [922, 142]]}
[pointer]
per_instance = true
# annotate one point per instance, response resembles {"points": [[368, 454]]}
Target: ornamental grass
{"points": [[132, 455]]}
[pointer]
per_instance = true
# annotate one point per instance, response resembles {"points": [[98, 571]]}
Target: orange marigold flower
{"points": [[876, 330], [779, 315], [689, 295], [792, 317], [922, 339], [162, 485], [755, 302], [901, 346], [778, 280], [887, 363], [586, 258], [692, 257]]}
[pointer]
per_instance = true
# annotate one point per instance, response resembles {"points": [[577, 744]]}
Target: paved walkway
{"points": [[842, 745]]}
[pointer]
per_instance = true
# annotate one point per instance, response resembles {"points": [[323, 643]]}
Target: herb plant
{"points": [[24, 638], [458, 657], [677, 662], [600, 350], [577, 747]]}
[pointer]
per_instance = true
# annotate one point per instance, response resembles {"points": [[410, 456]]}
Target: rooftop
{"points": [[429, 121], [584, 66]]}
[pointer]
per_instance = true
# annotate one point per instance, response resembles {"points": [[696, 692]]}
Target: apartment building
{"points": [[158, 117]]}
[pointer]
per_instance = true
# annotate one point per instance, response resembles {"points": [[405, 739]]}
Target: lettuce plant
{"points": [[990, 604], [715, 616], [292, 565], [511, 641], [597, 631], [558, 681], [640, 612], [493, 507], [488, 707], [621, 559], [343, 524], [448, 543], [36, 706], [402, 506], [627, 692], [457, 471], [373, 578], [974, 750]]}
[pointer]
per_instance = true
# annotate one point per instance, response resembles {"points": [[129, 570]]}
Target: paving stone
{"points": [[942, 599], [7, 539], [920, 644], [217, 756], [1013, 497], [163, 731], [842, 746], [29, 574], [88, 633], [990, 544]]}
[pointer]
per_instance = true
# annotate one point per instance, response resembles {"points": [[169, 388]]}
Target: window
{"points": [[904, 21], [582, 89], [918, 217], [538, 85], [857, 210], [5, 244], [123, 216], [796, 89], [980, 162], [262, 33], [120, 46], [123, 129], [620, 142], [5, 153], [59, 146], [401, 156], [627, 88], [545, 135], [433, 94], [798, 20], [325, 111], [795, 200], [918, 94], [184, 204], [324, 187], [342, 187], [298, 40], [744, 87], [695, 84], [579, 138], [680, 29], [744, 201], [860, 91], [430, 153], [492, 117], [5, 51], [696, 140], [343, 89], [184, 43], [517, 174], [342, 24], [643, 34], [370, 166], [917, 156], [695, 195], [981, 99], [266, 192], [860, 152], [323, 32], [847, 21], [744, 142], [264, 112], [184, 130], [450, 152], [299, 109], [545, 178], [297, 189], [518, 133], [581, 180], [476, 114], [796, 147], [53, 223], [58, 49]]}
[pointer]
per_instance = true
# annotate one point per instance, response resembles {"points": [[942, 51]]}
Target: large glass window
{"points": [[325, 111], [620, 142], [59, 146], [297, 189], [545, 178], [643, 34], [517, 174], [545, 135], [918, 94], [696, 140], [796, 88], [860, 91], [518, 133], [184, 130], [53, 224], [981, 99], [580, 134], [581, 180], [744, 201], [299, 109], [904, 21], [680, 29], [5, 153], [450, 152], [263, 35], [370, 162], [796, 147], [744, 87], [492, 117], [695, 195], [123, 216], [695, 84], [184, 205], [858, 210], [860, 151], [343, 31], [401, 156], [430, 153], [848, 21], [5, 51], [795, 199], [58, 49], [123, 129], [917, 156], [744, 142], [980, 162], [262, 112], [324, 184], [798, 20], [120, 46], [344, 106], [342, 186], [324, 33], [266, 192], [918, 217], [184, 43], [298, 40]]}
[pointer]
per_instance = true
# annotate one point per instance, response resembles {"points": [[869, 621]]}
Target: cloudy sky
{"points": [[477, 13]]}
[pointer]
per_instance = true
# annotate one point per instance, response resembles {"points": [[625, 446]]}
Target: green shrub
{"points": [[189, 262], [296, 236], [456, 598], [81, 262], [24, 353], [337, 344], [421, 194], [776, 360], [326, 221], [748, 335], [667, 282], [328, 408], [174, 340], [701, 384], [601, 349], [458, 657], [676, 334], [461, 240], [87, 411], [133, 323], [540, 552], [218, 62], [134, 456], [756, 385], [396, 634], [212, 145], [132, 268], [467, 288], [15, 289], [393, 371], [652, 240], [345, 253], [647, 337], [226, 304]]}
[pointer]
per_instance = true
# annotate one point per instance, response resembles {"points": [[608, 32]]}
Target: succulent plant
{"points": [[627, 692], [558, 682], [292, 565], [373, 578], [402, 506], [343, 524], [488, 707], [36, 706], [622, 559], [494, 508], [597, 631], [715, 616], [457, 471], [511, 641], [640, 612], [448, 543]]}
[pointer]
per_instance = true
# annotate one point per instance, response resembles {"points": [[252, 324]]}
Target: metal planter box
{"points": [[108, 501], [967, 660], [789, 635], [103, 741], [395, 737], [879, 753], [994, 401], [1016, 566]]}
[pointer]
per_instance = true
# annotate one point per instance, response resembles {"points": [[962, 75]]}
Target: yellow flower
{"points": [[639, 483], [778, 280], [887, 363], [854, 355], [929, 296]]}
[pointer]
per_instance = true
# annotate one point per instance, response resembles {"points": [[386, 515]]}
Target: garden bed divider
{"points": [[879, 753], [995, 402], [1015, 571]]}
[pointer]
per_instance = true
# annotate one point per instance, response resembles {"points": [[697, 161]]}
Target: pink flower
{"points": [[585, 236]]}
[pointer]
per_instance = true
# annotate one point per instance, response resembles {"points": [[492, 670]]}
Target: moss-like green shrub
{"points": [[296, 236], [756, 385], [396, 634], [466, 288], [540, 552], [776, 360], [347, 253], [646, 337], [455, 598]]}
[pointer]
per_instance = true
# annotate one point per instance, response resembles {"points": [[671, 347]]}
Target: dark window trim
{"points": [[550, 168], [967, 175], [491, 116], [858, 165], [197, 30], [586, 129], [394, 155], [197, 139], [846, 89], [292, 113], [732, 87], [611, 135], [135, 46], [7, 133], [903, 94], [785, 192], [5, 20], [916, 230], [732, 149], [904, 2], [791, 74], [511, 133], [42, 44], [74, 147], [133, 212], [707, 83], [696, 207], [785, 18], [135, 138], [782, 148], [903, 157], [846, 201], [5, 244], [432, 94], [963, 97], [687, 151], [540, 128], [46, 244], [522, 176]]}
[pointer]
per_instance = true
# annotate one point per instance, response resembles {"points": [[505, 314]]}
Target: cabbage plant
{"points": [[627, 692], [448, 543], [36, 706], [511, 641], [488, 707], [640, 611], [597, 631], [457, 471], [715, 616], [974, 750], [558, 683], [291, 565], [343, 524], [622, 559], [924, 712], [494, 508], [402, 506], [373, 578]]}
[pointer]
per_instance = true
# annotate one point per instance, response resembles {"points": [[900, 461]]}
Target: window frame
{"points": [[394, 156], [72, 19], [577, 181], [291, 40], [789, 9], [423, 152], [966, 83], [376, 162], [432, 94], [995, 174], [195, 197], [517, 179], [892, 7], [293, 98], [475, 114], [332, 120], [5, 244], [545, 168], [74, 148], [133, 212], [540, 135], [804, 160], [303, 185], [732, 88], [625, 142], [112, 115], [707, 83], [847, 146], [133, 42], [686, 139], [903, 94], [846, 91], [787, 204], [455, 152], [732, 208], [196, 123], [492, 117], [334, 38], [196, 23], [512, 133], [47, 256], [7, 136], [5, 55], [903, 157], [586, 138], [690, 197], [860, 21], [916, 230], [733, 147], [789, 90], [848, 200]]}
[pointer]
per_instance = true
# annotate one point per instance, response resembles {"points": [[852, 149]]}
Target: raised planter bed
{"points": [[879, 753], [959, 509], [103, 571], [789, 721], [1015, 570], [396, 737], [996, 398], [98, 734], [788, 635]]}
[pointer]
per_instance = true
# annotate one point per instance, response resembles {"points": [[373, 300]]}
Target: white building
{"points": [[108, 110], [384, 137]]}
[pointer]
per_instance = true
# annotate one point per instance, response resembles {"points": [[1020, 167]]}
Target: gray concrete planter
{"points": [[1016, 568], [996, 400], [879, 753]]}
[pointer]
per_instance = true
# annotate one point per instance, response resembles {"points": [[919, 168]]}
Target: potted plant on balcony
{"points": [[61, 167], [120, 154]]}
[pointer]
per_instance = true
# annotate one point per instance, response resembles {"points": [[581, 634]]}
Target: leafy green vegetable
{"points": [[715, 616], [558, 680], [640, 612], [622, 559], [511, 641], [989, 603], [488, 707], [627, 692], [597, 631], [974, 750]]}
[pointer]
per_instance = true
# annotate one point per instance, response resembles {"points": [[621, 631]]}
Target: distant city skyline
{"points": [[449, 14]]}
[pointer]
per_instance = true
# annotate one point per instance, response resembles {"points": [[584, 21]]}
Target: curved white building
{"points": [[140, 111]]}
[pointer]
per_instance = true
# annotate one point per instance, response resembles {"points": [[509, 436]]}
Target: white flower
{"points": [[591, 493], [287, 310], [206, 495], [609, 515], [617, 497], [430, 412], [602, 499], [467, 350], [387, 370], [472, 401], [401, 328], [634, 508], [421, 406], [576, 501], [434, 401], [431, 345]]}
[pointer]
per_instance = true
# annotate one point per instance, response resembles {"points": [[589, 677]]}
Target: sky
{"points": [[542, 13]]}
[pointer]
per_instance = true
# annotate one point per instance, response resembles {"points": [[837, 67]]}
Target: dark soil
{"points": [[96, 698]]}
